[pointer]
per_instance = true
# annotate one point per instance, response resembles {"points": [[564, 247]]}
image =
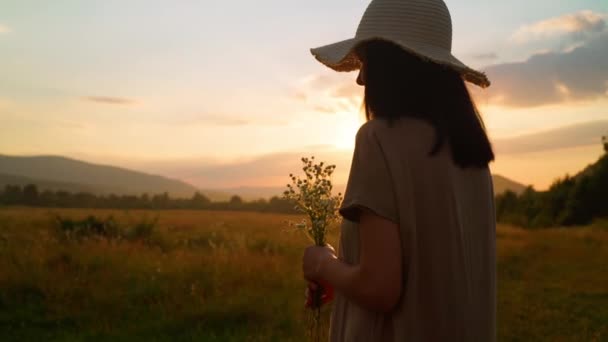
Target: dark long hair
{"points": [[399, 84]]}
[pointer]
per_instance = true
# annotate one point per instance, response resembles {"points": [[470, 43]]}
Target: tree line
{"points": [[30, 195], [571, 201]]}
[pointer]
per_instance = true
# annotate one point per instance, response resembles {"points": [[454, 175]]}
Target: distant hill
{"points": [[503, 184], [60, 173], [50, 185], [72, 175]]}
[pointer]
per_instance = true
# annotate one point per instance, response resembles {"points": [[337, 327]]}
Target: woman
{"points": [[417, 248]]}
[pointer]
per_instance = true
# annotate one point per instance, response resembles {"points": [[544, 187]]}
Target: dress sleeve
{"points": [[370, 184]]}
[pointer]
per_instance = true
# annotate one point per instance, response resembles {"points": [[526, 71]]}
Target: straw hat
{"points": [[421, 27]]}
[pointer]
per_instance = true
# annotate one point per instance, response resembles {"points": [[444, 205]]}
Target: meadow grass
{"points": [[236, 276]]}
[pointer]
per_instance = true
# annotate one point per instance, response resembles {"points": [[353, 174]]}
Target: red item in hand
{"points": [[327, 294]]}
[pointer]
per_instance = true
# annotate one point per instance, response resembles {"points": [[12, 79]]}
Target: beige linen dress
{"points": [[448, 233]]}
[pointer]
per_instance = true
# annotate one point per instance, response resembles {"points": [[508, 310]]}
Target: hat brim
{"points": [[341, 56]]}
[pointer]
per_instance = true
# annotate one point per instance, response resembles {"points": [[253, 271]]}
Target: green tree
{"points": [[30, 194], [48, 198], [144, 201], [236, 200], [161, 201], [199, 201], [578, 210], [529, 206], [12, 194], [556, 201], [506, 204]]}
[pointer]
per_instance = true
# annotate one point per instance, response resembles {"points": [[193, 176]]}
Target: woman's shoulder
{"points": [[372, 128], [401, 128]]}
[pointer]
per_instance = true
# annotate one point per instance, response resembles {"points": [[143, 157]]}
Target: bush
{"points": [[572, 201], [143, 229], [88, 227], [93, 227]]}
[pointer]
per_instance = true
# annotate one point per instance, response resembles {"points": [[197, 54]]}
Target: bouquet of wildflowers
{"points": [[312, 196]]}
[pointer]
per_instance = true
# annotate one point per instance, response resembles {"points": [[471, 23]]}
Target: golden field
{"points": [[235, 276]]}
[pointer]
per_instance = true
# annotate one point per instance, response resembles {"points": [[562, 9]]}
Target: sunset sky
{"points": [[226, 93]]}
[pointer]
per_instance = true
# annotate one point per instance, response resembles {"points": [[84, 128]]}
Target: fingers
{"points": [[310, 295], [314, 299], [307, 298], [314, 258]]}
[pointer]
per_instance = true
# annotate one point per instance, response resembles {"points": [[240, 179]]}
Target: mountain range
{"points": [[60, 173]]}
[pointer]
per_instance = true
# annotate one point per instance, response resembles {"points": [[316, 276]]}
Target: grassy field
{"points": [[223, 276]]}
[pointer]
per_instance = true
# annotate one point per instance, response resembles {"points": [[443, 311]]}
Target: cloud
{"points": [[325, 109], [348, 91], [486, 56], [109, 100], [301, 96], [576, 135], [575, 25], [329, 93], [551, 77], [5, 29], [216, 121], [224, 120], [265, 170]]}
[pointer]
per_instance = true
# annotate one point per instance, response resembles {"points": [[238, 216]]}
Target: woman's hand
{"points": [[314, 260], [311, 295]]}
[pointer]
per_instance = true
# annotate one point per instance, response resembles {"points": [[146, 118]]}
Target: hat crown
{"points": [[418, 22]]}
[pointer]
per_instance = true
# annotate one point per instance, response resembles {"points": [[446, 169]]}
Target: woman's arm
{"points": [[376, 282]]}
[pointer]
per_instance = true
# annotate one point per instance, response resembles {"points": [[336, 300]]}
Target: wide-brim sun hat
{"points": [[420, 27]]}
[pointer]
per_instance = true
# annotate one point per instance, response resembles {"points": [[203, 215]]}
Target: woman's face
{"points": [[361, 77]]}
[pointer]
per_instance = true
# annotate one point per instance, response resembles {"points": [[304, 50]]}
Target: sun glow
{"points": [[346, 130]]}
